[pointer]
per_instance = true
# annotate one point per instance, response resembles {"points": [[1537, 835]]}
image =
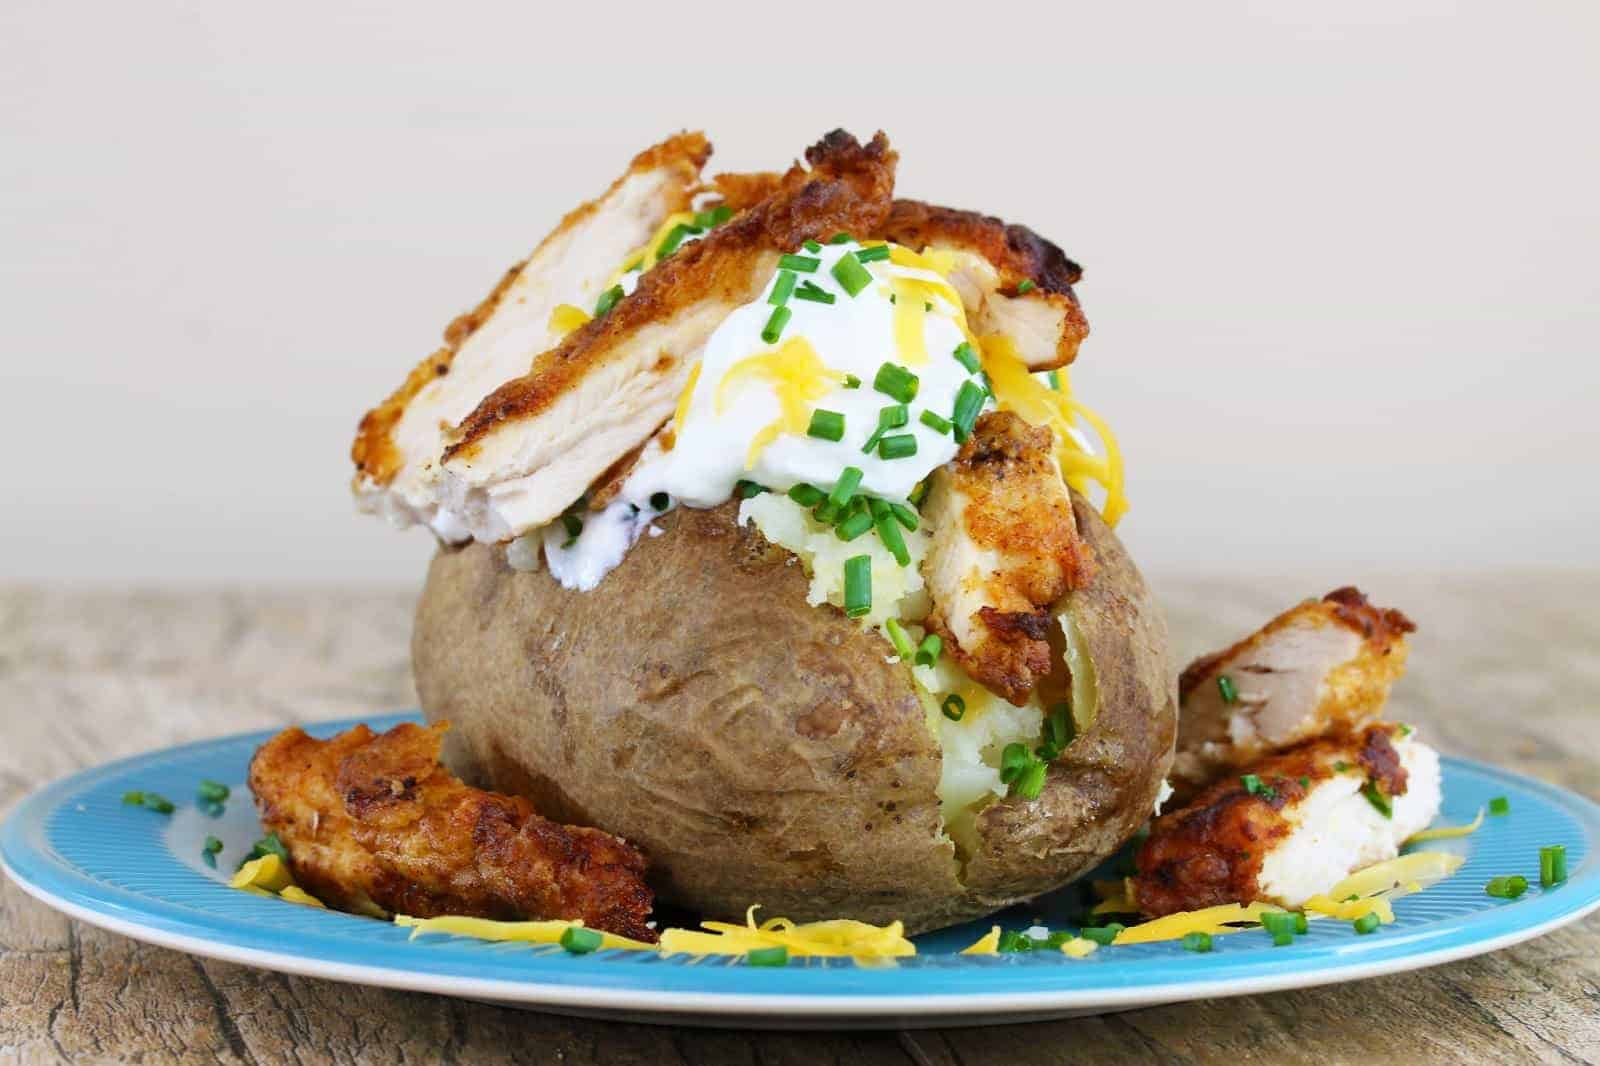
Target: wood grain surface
{"points": [[1505, 669]]}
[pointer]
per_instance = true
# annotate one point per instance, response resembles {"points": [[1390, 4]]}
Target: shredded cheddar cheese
{"points": [[1079, 948], [1449, 832], [1228, 918], [268, 873], [1402, 876], [566, 318], [842, 937], [987, 944], [296, 894], [1016, 389], [798, 377], [1348, 910], [648, 254], [682, 410], [523, 932], [910, 343]]}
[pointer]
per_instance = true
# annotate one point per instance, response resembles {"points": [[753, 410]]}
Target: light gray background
{"points": [[1343, 260]]}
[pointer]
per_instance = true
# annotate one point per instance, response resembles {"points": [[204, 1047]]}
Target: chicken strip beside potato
{"points": [[1320, 668], [373, 824], [1293, 826]]}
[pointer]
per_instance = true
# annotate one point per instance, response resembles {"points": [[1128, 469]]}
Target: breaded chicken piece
{"points": [[1322, 667], [1293, 825], [399, 444], [535, 444], [375, 825], [1004, 549], [1010, 279]]}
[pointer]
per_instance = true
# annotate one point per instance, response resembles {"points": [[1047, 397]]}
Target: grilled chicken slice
{"points": [[1011, 280], [399, 443], [375, 825], [1004, 549], [1303, 821], [536, 443], [1322, 667]]}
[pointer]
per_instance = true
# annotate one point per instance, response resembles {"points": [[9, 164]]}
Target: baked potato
{"points": [[761, 750]]}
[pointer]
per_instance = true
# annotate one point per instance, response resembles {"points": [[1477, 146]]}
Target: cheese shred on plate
{"points": [[836, 938], [523, 932], [1449, 832]]}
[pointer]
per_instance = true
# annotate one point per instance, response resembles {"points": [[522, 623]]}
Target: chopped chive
{"points": [[1063, 729], [845, 487], [894, 416], [1013, 760], [1383, 804], [953, 707], [1031, 781], [964, 355], [1367, 923], [1102, 934], [1282, 940], [580, 941], [212, 791], [928, 651], [783, 288], [899, 638], [934, 422], [1340, 766], [660, 501], [713, 217], [1301, 925], [851, 381], [826, 425], [873, 254], [807, 495], [814, 293], [889, 533], [1305, 781], [155, 801], [897, 446], [1276, 922], [840, 238], [775, 324], [1228, 690], [675, 238], [608, 300], [1499, 805], [1552, 865], [857, 585], [919, 492], [1252, 784], [905, 516], [854, 526], [1200, 942], [896, 381], [271, 844], [209, 852], [850, 274], [803, 264], [879, 508], [573, 525], [1012, 941], [813, 246], [1506, 887], [969, 401], [133, 799], [743, 488], [1054, 377], [1025, 285], [776, 955]]}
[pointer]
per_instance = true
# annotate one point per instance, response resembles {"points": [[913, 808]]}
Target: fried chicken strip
{"points": [[533, 445], [375, 825], [400, 442], [1004, 548], [1322, 667], [1300, 822]]}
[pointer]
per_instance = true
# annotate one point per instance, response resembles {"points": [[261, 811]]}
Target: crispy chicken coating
{"points": [[1005, 548], [375, 825]]}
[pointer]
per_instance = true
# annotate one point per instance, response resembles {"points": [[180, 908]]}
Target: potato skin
{"points": [[761, 750]]}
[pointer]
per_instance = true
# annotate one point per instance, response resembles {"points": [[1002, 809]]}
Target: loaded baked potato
{"points": [[765, 546]]}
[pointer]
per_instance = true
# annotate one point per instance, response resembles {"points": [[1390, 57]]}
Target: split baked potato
{"points": [[761, 750]]}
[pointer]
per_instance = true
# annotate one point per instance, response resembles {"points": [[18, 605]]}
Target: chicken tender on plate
{"points": [[375, 825], [1292, 825], [1322, 667]]}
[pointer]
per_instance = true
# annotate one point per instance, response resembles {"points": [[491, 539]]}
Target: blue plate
{"points": [[78, 848]]}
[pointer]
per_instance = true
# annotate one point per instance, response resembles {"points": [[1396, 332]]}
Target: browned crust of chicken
{"points": [[374, 824], [848, 189], [1210, 852], [1322, 667], [374, 451], [1005, 549]]}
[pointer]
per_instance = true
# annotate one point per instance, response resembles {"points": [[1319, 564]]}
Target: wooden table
{"points": [[1504, 669]]}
